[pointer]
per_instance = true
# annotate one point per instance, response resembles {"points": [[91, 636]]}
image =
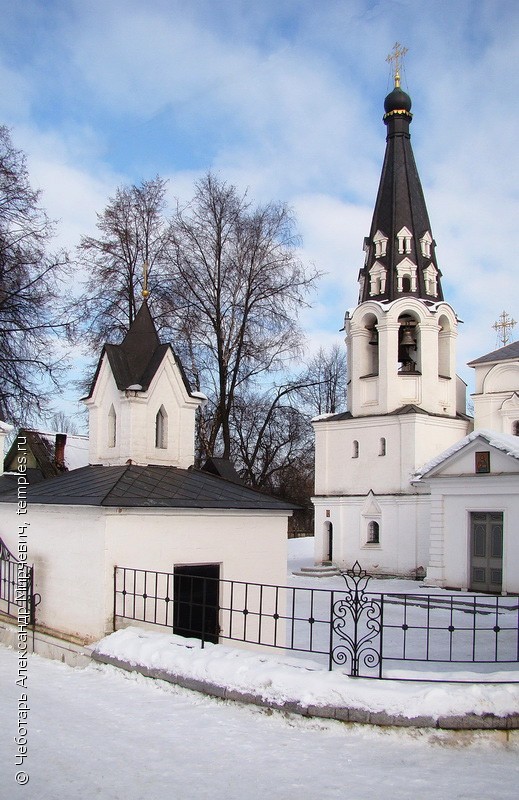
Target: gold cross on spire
{"points": [[396, 56], [503, 326], [145, 291]]}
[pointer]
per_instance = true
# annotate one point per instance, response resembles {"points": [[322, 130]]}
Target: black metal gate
{"points": [[356, 629], [17, 598]]}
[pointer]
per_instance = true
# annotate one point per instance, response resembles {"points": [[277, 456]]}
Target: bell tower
{"points": [[401, 338], [405, 401]]}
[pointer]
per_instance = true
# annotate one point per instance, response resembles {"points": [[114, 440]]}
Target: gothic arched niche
{"points": [[161, 428], [112, 427]]}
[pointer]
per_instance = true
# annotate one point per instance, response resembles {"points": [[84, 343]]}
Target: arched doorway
{"points": [[328, 541]]}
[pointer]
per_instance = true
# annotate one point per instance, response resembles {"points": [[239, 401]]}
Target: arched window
{"points": [[355, 449], [444, 347], [112, 427], [377, 276], [373, 532], [161, 428], [515, 427], [406, 272], [382, 450]]}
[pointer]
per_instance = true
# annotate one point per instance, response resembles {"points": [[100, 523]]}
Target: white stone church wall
{"points": [[136, 413], [168, 390], [66, 547], [403, 532], [496, 400], [378, 454], [250, 546]]}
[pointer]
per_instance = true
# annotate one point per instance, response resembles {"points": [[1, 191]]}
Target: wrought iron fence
{"points": [[17, 598], [368, 634]]}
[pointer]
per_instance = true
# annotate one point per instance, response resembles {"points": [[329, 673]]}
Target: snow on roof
{"points": [[501, 441], [200, 395], [76, 448], [323, 416]]}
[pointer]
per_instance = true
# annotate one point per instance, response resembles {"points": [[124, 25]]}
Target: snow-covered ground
{"points": [[101, 733]]}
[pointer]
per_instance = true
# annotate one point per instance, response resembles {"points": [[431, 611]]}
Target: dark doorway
{"points": [[486, 551], [328, 533], [195, 596]]}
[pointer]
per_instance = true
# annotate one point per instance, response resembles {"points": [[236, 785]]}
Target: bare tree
{"points": [[31, 312], [273, 449], [61, 423], [134, 231], [239, 286], [226, 283], [323, 385], [270, 435]]}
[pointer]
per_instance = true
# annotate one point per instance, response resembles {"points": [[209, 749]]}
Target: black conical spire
{"points": [[400, 258]]}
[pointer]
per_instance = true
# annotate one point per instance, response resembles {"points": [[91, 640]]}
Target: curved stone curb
{"points": [[467, 722]]}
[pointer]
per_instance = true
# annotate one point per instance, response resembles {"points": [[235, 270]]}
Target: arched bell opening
{"points": [[409, 351], [370, 345], [444, 340]]}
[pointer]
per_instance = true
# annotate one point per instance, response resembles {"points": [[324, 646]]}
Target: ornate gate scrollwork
{"points": [[357, 621]]}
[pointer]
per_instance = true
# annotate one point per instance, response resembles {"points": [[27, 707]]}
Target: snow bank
{"points": [[285, 681]]}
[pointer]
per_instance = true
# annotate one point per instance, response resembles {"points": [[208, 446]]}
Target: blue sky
{"points": [[283, 98]]}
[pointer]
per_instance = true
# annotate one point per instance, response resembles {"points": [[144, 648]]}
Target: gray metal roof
{"points": [[509, 351], [135, 486]]}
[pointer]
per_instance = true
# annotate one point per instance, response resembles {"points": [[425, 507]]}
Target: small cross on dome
{"points": [[395, 59]]}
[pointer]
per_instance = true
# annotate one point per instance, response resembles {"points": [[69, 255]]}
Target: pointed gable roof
{"points": [[400, 212], [135, 361], [506, 443]]}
